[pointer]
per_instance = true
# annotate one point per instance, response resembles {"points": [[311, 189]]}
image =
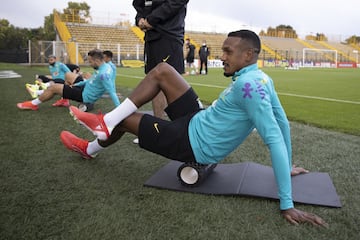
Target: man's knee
{"points": [[163, 69], [70, 77], [51, 90], [56, 88], [163, 72]]}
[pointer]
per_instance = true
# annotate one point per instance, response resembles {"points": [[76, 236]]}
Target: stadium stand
{"points": [[345, 51], [287, 48], [126, 42], [213, 40], [108, 34], [112, 38]]}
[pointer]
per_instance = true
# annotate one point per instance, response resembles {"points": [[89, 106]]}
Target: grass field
{"points": [[328, 98], [48, 192]]}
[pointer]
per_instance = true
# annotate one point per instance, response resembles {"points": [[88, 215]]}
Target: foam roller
{"points": [[86, 107], [192, 174]]}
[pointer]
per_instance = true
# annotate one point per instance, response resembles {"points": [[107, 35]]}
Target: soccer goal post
{"points": [[315, 57]]}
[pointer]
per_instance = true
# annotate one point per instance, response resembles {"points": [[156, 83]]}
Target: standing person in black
{"points": [[163, 22], [204, 54], [190, 56]]}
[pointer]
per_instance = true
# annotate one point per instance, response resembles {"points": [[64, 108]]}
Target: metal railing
{"points": [[40, 50]]}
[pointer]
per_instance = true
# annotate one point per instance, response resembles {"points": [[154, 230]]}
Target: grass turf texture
{"points": [[48, 192]]}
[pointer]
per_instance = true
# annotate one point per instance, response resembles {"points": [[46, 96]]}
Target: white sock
{"points": [[94, 147], [121, 112], [36, 101], [48, 84], [39, 92]]}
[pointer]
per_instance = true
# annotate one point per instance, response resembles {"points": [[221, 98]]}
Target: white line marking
{"points": [[9, 74], [130, 76], [319, 98], [207, 85], [279, 93]]}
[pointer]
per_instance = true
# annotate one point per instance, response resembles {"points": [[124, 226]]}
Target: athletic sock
{"points": [[39, 92], [36, 101], [121, 112], [94, 147]]}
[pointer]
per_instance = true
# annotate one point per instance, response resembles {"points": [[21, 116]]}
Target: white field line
{"points": [[129, 76], [320, 98], [279, 93]]}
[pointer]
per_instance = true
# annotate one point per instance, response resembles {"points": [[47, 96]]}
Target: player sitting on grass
{"points": [[204, 135], [57, 70], [87, 91]]}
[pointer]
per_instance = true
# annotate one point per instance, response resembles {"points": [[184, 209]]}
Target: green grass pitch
{"points": [[328, 98], [48, 192]]}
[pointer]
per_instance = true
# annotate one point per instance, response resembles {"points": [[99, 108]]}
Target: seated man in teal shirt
{"points": [[204, 135], [58, 70], [87, 91]]}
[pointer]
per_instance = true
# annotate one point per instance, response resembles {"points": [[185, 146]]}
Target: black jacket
{"points": [[166, 16], [204, 53]]}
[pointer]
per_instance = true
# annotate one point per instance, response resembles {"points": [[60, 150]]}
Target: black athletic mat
{"points": [[250, 179]]}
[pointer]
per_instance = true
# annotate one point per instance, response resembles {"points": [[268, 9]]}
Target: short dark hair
{"points": [[108, 53], [248, 36], [96, 53]]}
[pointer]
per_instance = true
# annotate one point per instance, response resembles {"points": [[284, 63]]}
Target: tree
{"points": [[12, 37], [317, 37], [262, 33], [4, 24], [284, 31], [77, 12], [17, 38], [49, 33], [353, 40]]}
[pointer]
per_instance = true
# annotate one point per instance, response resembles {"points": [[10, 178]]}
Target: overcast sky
{"points": [[305, 16]]}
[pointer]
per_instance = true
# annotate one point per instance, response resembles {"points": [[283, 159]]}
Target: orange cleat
{"points": [[94, 122], [75, 144], [27, 105]]}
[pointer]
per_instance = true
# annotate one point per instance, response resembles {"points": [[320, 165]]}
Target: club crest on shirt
{"points": [[248, 90]]}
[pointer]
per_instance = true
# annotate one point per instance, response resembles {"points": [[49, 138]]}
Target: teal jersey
{"points": [[58, 70], [249, 102], [113, 77], [113, 67], [99, 83]]}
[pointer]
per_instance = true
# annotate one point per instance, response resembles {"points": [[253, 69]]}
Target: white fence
{"points": [[40, 50]]}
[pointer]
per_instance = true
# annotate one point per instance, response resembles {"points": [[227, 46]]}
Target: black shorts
{"points": [[164, 50], [78, 79], [190, 60], [73, 93], [45, 79], [170, 138], [58, 80]]}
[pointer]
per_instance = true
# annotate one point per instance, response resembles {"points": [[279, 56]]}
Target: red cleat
{"points": [[75, 144], [62, 103], [94, 122], [27, 105]]}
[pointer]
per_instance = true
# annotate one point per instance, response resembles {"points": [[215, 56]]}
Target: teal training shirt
{"points": [[113, 67], [113, 77], [99, 83], [249, 102], [58, 70]]}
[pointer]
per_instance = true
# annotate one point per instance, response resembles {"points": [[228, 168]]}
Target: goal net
{"points": [[314, 57]]}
